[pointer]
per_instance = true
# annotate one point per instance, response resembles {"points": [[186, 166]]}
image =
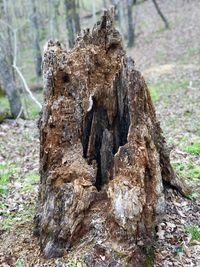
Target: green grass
{"points": [[11, 219], [154, 94], [193, 148], [31, 108], [6, 171], [20, 263], [27, 183], [193, 196], [189, 169], [31, 179], [156, 88], [194, 231]]}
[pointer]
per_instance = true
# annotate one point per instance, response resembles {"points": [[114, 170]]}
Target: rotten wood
{"points": [[104, 163]]}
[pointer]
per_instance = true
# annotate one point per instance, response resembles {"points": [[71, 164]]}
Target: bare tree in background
{"points": [[72, 20], [124, 17], [54, 13], [7, 74], [131, 30], [161, 14], [35, 36]]}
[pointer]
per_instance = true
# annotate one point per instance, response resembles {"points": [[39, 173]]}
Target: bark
{"points": [[161, 14], [72, 21], [103, 160], [36, 37]]}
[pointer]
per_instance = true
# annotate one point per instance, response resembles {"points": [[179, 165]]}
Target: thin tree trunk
{"points": [[103, 159], [53, 12], [10, 87], [131, 30], [161, 14], [72, 21], [6, 64], [35, 36]]}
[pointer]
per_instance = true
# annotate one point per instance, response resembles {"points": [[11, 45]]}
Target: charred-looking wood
{"points": [[103, 160]]}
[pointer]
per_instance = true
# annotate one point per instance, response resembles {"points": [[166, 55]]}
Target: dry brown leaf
{"points": [[195, 242], [187, 252]]}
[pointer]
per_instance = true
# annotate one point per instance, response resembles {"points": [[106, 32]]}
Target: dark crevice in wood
{"points": [[107, 137], [86, 132]]}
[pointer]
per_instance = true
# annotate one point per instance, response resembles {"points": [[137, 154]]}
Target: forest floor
{"points": [[170, 63]]}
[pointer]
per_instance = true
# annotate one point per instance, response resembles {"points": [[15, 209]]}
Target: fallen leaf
{"points": [[195, 242]]}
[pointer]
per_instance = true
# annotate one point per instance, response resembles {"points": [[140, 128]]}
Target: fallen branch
{"points": [[19, 72]]}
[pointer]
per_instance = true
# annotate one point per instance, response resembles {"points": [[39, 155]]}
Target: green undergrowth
{"points": [[30, 107], [150, 257], [159, 87], [30, 180], [126, 258], [6, 171], [20, 263], [25, 182], [194, 231], [187, 169], [193, 148], [13, 219]]}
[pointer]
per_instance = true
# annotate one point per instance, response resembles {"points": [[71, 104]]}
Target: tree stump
{"points": [[104, 163]]}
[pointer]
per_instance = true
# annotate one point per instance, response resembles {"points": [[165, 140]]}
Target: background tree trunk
{"points": [[7, 73], [72, 20], [161, 14], [10, 87], [103, 160], [131, 30], [54, 13], [36, 38]]}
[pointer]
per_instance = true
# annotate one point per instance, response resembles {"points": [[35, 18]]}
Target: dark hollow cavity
{"points": [[108, 137]]}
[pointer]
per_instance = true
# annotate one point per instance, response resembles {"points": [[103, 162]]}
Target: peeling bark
{"points": [[103, 159]]}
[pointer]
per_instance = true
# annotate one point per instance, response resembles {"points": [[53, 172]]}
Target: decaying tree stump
{"points": [[103, 160]]}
